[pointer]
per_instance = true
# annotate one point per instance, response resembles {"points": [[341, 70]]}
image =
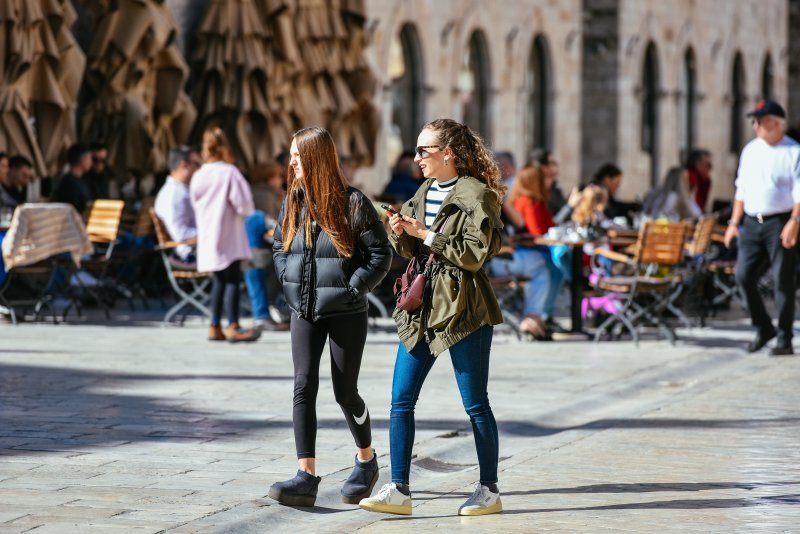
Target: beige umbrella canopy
{"points": [[41, 67], [265, 68], [231, 67], [323, 78], [135, 77]]}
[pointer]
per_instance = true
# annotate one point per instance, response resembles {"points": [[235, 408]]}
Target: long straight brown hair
{"points": [[322, 191]]}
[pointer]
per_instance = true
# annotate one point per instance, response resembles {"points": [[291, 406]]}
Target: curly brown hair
{"points": [[322, 191], [471, 155]]}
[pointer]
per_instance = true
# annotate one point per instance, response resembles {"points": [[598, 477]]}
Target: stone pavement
{"points": [[135, 427]]}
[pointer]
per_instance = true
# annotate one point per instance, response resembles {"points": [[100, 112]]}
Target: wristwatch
{"points": [[731, 222], [796, 219]]}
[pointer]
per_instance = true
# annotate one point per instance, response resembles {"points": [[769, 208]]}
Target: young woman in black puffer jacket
{"points": [[330, 249]]}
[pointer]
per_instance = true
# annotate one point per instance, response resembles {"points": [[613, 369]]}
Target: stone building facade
{"points": [[636, 82], [684, 74], [794, 64]]}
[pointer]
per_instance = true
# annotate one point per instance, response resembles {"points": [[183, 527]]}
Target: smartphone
{"points": [[390, 209]]}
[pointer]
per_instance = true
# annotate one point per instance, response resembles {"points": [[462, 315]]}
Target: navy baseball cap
{"points": [[767, 107]]}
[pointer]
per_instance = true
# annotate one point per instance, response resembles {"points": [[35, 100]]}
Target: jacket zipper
{"points": [[312, 273]]}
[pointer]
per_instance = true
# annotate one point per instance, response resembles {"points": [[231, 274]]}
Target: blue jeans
{"points": [[531, 263], [470, 358], [255, 279], [559, 264]]}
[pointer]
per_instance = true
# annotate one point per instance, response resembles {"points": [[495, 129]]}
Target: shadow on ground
{"points": [[47, 408]]}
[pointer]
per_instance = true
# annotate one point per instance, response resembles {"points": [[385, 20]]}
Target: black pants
{"points": [[225, 291], [348, 334], [760, 246]]}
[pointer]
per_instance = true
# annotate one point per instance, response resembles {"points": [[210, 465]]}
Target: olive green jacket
{"points": [[462, 296]]}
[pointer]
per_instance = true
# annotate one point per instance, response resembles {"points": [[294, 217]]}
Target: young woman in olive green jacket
{"points": [[455, 215]]}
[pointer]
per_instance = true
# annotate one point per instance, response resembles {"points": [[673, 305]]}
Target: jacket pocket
{"points": [[447, 297]]}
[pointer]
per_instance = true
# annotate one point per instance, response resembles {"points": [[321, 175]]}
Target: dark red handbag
{"points": [[409, 288]]}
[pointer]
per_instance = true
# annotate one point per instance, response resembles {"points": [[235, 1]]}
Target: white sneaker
{"points": [[482, 502], [277, 315], [388, 500]]}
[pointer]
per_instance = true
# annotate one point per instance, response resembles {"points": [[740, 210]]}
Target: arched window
{"points": [[687, 106], [474, 85], [406, 71], [766, 78], [539, 90], [737, 104], [649, 112]]}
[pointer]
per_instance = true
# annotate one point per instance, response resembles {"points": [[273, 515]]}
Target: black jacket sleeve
{"points": [[373, 243], [278, 254]]}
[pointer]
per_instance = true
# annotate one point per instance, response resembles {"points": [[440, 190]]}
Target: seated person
{"points": [[72, 188], [9, 197], [530, 197], [524, 206], [406, 179], [672, 200], [99, 176], [16, 174], [173, 205], [609, 176]]}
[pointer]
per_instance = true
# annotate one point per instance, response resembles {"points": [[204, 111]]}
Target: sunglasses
{"points": [[423, 152], [99, 160]]}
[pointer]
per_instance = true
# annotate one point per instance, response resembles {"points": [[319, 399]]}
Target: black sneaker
{"points": [[299, 491], [361, 481], [761, 339], [782, 349]]}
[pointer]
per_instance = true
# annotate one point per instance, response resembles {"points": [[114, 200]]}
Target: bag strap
{"points": [[431, 255]]}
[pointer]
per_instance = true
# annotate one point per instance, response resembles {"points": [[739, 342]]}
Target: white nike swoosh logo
{"points": [[360, 420]]}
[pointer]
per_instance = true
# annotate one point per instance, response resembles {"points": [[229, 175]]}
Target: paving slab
{"points": [[115, 427]]}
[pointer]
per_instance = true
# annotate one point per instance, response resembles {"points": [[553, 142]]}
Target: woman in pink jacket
{"points": [[221, 200]]}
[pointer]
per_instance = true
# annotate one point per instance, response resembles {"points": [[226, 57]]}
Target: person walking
{"points": [[766, 219], [330, 250], [454, 215], [221, 200]]}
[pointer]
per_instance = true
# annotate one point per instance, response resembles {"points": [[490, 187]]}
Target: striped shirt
{"points": [[434, 198]]}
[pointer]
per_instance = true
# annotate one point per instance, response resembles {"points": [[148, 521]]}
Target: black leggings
{"points": [[348, 334], [225, 290]]}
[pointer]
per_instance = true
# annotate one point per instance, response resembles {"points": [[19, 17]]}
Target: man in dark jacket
{"points": [[71, 188]]}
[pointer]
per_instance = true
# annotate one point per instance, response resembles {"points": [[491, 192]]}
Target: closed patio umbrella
{"points": [[57, 78], [322, 78], [41, 67], [231, 66], [135, 76]]}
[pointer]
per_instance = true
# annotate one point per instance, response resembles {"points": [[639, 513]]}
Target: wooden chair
{"points": [[659, 248], [189, 284], [139, 257], [102, 225], [692, 272]]}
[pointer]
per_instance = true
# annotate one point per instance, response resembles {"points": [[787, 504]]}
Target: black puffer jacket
{"points": [[317, 281]]}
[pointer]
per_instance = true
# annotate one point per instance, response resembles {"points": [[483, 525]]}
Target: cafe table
{"points": [[576, 268]]}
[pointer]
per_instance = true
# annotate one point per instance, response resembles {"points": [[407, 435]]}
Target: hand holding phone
{"points": [[390, 210]]}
